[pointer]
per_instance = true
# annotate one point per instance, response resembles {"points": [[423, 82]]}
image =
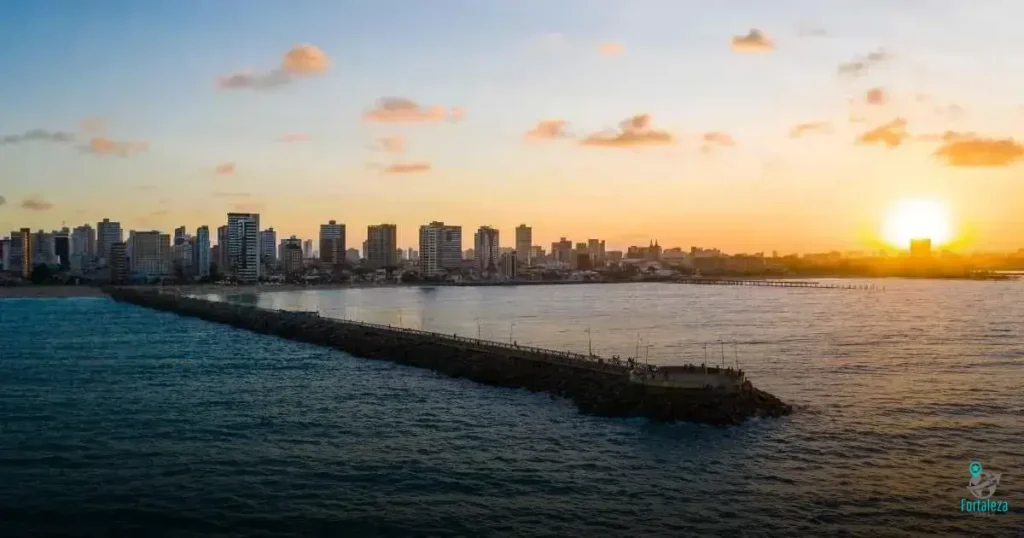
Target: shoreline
{"points": [[49, 292]]}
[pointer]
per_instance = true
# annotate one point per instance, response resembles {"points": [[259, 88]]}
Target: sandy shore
{"points": [[53, 292]]}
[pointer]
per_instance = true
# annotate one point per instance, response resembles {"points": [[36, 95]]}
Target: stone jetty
{"points": [[597, 386]]}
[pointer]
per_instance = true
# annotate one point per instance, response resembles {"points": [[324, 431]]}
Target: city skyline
{"points": [[794, 127]]}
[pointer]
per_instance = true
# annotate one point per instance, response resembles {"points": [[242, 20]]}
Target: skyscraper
{"points": [[332, 243], [118, 254], [381, 245], [307, 248], [150, 254], [27, 264], [440, 248], [268, 247], [107, 233], [201, 251], [244, 246], [485, 244], [291, 256], [524, 244], [180, 235], [223, 267], [62, 248]]}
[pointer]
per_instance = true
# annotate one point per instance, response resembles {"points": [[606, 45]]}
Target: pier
{"points": [[596, 385], [773, 283]]}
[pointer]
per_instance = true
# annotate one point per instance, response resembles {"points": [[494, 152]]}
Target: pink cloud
{"points": [[753, 41], [401, 110], [633, 131], [548, 129], [225, 169]]}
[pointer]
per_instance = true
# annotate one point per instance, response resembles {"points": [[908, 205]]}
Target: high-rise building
{"points": [[107, 233], [921, 248], [332, 243], [268, 246], [561, 251], [44, 249], [382, 245], [221, 259], [536, 253], [307, 249], [27, 263], [119, 262], [440, 248], [62, 247], [508, 264], [201, 251], [150, 254], [485, 244], [244, 246], [595, 248], [524, 242], [83, 240], [414, 255], [291, 255], [180, 236]]}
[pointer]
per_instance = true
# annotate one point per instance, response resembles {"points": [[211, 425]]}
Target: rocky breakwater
{"points": [[597, 387]]}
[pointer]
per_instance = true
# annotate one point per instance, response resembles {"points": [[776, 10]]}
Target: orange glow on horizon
{"points": [[918, 219]]}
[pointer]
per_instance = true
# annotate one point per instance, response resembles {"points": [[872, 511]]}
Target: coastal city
{"points": [[240, 252]]}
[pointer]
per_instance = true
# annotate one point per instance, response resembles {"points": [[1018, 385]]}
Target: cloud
{"points": [[409, 168], [610, 49], [304, 60], [718, 138], [36, 203], [548, 129], [232, 194], [951, 111], [401, 110], [3, 200], [812, 127], [293, 137], [106, 146], [860, 66], [33, 135], [891, 134], [254, 81], [301, 61], [948, 136], [392, 144], [876, 96], [974, 151], [634, 131], [754, 41], [225, 169]]}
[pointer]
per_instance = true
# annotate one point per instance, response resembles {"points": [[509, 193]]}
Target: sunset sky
{"points": [[746, 125]]}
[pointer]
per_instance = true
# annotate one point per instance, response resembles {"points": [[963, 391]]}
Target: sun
{"points": [[918, 219]]}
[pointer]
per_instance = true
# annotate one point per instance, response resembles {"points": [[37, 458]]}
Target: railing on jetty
{"points": [[773, 283], [569, 358]]}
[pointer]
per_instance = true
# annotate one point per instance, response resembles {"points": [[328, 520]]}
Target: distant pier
{"points": [[599, 386]]}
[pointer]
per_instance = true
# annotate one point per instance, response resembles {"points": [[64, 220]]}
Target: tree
{"points": [[40, 274]]}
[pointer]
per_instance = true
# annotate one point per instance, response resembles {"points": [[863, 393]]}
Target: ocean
{"points": [[119, 421]]}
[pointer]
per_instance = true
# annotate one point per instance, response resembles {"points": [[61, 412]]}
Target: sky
{"points": [[749, 126]]}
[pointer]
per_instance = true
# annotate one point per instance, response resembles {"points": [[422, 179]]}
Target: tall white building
{"points": [[524, 244], [201, 251], [107, 233], [244, 246], [440, 248], [485, 247], [268, 247], [332, 243]]}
